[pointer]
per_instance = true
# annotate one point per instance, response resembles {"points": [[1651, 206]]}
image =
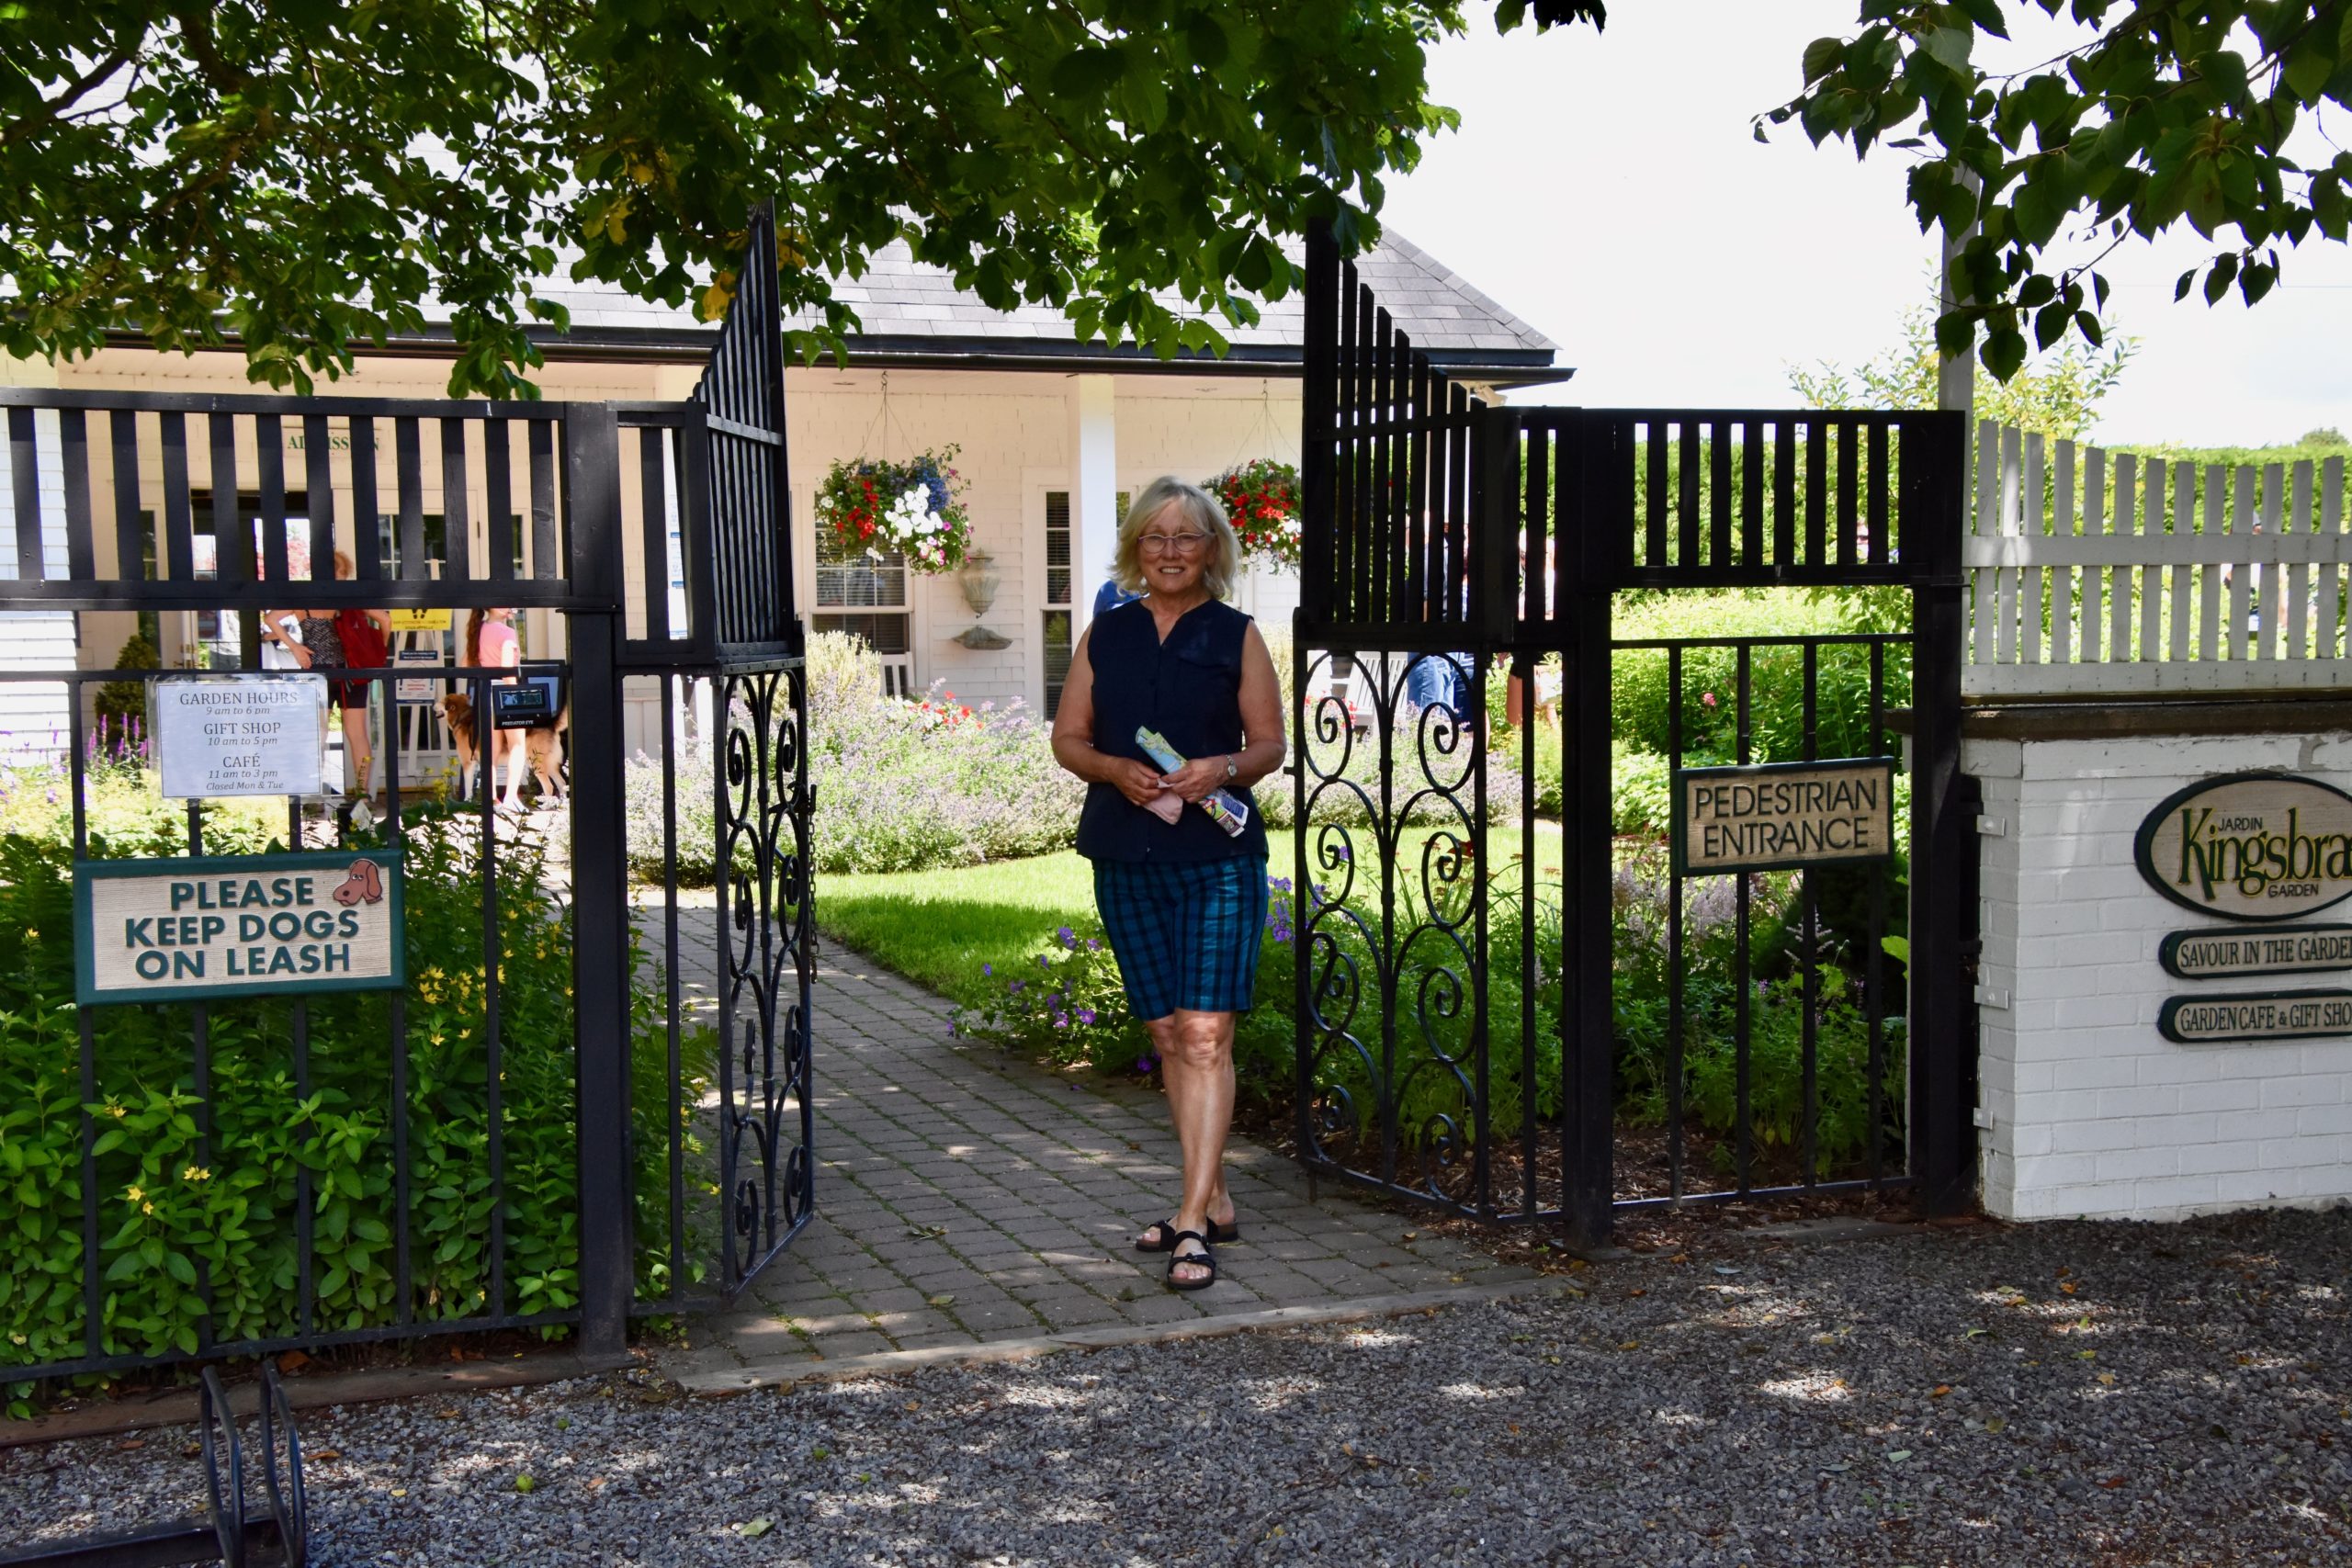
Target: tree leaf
{"points": [[1088, 72], [2004, 352], [1205, 41]]}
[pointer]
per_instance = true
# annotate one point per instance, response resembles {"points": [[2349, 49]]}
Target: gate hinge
{"points": [[1991, 996], [1993, 827]]}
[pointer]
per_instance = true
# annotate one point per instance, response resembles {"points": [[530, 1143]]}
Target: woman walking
{"points": [[1183, 899], [338, 639]]}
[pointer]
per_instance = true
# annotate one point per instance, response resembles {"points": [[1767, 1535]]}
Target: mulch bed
{"points": [[1644, 1169]]}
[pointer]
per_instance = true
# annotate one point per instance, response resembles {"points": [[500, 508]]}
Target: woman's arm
{"points": [[277, 634], [1261, 728], [1074, 736]]}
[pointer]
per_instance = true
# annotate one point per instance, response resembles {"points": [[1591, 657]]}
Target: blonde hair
{"points": [[1199, 509]]}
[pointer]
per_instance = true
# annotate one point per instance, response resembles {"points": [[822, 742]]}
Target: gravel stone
{"points": [[1936, 1397]]}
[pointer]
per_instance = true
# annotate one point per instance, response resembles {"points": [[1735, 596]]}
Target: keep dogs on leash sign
{"points": [[238, 925]]}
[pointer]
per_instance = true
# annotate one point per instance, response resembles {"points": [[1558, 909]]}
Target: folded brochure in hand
{"points": [[1228, 810]]}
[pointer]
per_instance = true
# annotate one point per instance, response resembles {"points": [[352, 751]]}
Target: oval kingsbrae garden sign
{"points": [[2250, 847]]}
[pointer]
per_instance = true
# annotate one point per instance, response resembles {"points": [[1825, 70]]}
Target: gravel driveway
{"points": [[2076, 1394]]}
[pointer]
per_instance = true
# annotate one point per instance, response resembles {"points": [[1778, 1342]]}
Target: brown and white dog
{"points": [[543, 743]]}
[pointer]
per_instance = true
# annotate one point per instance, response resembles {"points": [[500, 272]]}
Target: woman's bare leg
{"points": [[1197, 1061], [1177, 1074], [518, 762], [358, 757]]}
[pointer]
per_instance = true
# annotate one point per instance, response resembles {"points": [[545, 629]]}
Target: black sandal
{"points": [[1160, 1235], [1204, 1258]]}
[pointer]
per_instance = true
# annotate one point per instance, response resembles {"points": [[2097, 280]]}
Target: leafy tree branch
{"points": [[2174, 112], [296, 180]]}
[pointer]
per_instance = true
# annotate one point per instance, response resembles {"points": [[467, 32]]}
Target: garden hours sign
{"points": [[241, 734], [221, 925]]}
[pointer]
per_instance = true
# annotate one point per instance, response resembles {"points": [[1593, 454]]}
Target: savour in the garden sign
{"points": [[241, 925]]}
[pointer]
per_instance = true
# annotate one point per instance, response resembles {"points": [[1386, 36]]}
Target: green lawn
{"points": [[938, 927]]}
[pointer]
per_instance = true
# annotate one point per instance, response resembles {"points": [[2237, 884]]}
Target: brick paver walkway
{"points": [[965, 1196]]}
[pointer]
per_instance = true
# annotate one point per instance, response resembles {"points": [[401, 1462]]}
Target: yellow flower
{"points": [[133, 1192], [195, 1173], [118, 1109], [146, 1208]]}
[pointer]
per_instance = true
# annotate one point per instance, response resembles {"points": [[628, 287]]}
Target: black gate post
{"points": [[600, 974], [1319, 418], [1588, 1013], [1940, 1013]]}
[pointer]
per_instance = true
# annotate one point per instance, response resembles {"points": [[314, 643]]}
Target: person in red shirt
{"points": [[338, 639], [365, 635]]}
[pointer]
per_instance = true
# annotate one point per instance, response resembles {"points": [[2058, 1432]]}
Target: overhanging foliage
{"points": [[301, 176], [2172, 111]]}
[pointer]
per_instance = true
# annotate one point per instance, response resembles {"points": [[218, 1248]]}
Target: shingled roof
{"points": [[912, 315]]}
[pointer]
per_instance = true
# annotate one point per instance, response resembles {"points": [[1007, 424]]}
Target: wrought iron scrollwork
{"points": [[1392, 924], [766, 966]]}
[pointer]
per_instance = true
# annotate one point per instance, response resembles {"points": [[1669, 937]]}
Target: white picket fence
{"points": [[2096, 573]]}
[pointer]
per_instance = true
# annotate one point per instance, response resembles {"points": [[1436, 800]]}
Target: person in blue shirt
{"points": [[1110, 596]]}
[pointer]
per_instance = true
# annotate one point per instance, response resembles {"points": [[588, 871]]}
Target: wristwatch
{"points": [[1230, 768]]}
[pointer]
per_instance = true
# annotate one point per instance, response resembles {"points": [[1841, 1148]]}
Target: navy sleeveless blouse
{"points": [[1189, 689]]}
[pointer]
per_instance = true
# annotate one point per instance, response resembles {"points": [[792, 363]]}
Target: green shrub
{"points": [[1640, 679], [899, 785], [170, 1207], [126, 814]]}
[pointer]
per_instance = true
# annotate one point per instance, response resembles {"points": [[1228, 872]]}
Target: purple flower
{"points": [[951, 1028], [1086, 1015], [1144, 1063], [1066, 936], [1013, 987], [1043, 961], [988, 968], [1093, 943]]}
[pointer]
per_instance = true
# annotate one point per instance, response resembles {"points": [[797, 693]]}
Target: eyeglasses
{"points": [[1182, 544]]}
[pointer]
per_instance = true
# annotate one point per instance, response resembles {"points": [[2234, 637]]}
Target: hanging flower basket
{"points": [[1260, 499], [914, 507]]}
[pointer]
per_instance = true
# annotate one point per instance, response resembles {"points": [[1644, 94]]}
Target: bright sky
{"points": [[1607, 189]]}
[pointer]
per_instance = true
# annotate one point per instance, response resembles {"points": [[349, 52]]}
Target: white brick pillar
{"points": [[1094, 491], [2088, 1110]]}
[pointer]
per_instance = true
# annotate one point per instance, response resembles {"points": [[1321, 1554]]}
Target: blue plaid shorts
{"points": [[1186, 933]]}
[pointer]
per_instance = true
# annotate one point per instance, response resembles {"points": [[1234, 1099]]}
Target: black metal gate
{"points": [[1562, 1021], [521, 1137]]}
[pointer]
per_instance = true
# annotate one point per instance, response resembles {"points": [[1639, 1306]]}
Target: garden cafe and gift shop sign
{"points": [[1779, 814], [241, 733], [2272, 1015], [2255, 848], [238, 925]]}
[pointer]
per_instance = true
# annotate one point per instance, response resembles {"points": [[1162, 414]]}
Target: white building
{"points": [[1051, 433]]}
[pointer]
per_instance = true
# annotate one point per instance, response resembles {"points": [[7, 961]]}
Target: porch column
{"points": [[1095, 491]]}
